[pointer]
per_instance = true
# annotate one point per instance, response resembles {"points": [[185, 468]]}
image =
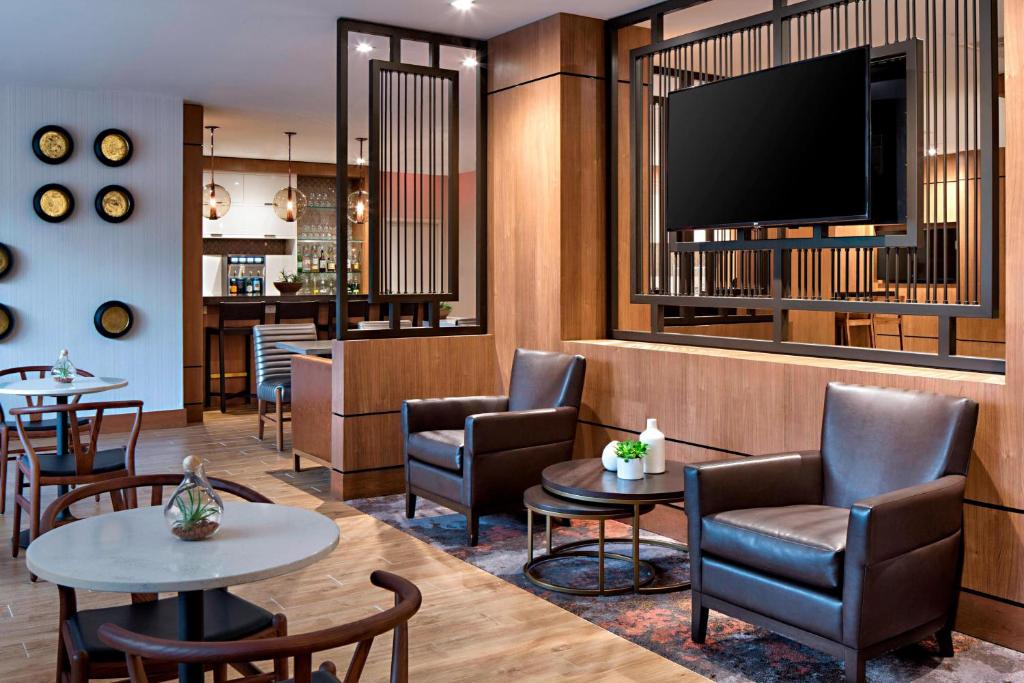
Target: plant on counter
{"points": [[289, 278], [289, 283], [445, 308], [630, 450]]}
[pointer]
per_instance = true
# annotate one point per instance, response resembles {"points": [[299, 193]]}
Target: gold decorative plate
{"points": [[113, 319], [52, 144], [113, 147], [6, 259], [114, 203], [6, 322], [53, 203]]}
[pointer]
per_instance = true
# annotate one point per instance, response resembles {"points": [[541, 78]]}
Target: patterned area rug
{"points": [[734, 651]]}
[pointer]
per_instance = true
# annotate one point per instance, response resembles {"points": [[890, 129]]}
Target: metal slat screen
{"points": [[414, 191], [952, 61]]}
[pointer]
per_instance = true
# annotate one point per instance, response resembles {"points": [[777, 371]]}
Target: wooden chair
{"points": [[274, 372], [82, 655], [138, 647], [86, 463], [40, 428]]}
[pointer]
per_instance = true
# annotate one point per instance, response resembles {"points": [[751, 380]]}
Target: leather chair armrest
{"points": [[759, 481], [491, 432], [421, 415], [894, 523]]}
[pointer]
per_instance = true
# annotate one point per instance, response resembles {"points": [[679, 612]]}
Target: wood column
{"points": [[546, 179], [192, 262]]}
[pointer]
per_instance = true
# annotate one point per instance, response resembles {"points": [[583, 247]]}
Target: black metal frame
{"points": [[778, 303], [396, 35]]}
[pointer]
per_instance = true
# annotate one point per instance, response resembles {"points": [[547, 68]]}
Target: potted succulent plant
{"points": [[631, 459], [445, 309], [288, 283]]}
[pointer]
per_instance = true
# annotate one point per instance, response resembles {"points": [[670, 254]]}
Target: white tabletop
{"points": [[45, 386], [133, 551]]}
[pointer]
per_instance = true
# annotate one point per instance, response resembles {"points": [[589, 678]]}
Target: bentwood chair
{"points": [[274, 372], [84, 464], [40, 428], [855, 549], [82, 655], [141, 649], [478, 454]]}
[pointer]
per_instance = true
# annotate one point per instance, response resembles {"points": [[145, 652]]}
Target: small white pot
{"points": [[609, 458], [654, 461], [631, 469]]}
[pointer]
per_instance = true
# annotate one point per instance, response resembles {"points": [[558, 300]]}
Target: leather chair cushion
{"points": [[440, 448], [803, 543], [226, 617], [44, 425], [318, 677], [265, 391], [53, 465]]}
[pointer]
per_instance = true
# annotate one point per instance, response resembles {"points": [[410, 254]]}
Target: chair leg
{"points": [[410, 504], [945, 638], [5, 442], [279, 406], [248, 369], [854, 666], [296, 464], [206, 369], [281, 663], [220, 371], [472, 528], [698, 619], [261, 409], [19, 484]]}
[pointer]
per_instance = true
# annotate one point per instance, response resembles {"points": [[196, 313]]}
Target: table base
{"points": [[567, 551]]}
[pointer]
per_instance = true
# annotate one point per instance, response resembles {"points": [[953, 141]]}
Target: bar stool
{"points": [[297, 312], [241, 316]]}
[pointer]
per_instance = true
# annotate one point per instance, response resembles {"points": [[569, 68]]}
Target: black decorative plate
{"points": [[53, 203], [6, 322], [114, 319], [52, 144], [114, 203], [113, 147], [6, 260]]}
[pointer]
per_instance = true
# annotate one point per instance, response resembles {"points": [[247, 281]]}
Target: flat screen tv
{"points": [[783, 146]]}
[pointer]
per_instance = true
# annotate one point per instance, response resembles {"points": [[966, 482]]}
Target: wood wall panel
{"points": [[370, 442], [311, 406], [560, 43], [192, 261]]}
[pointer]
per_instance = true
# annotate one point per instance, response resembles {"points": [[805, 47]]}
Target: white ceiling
{"points": [[258, 66]]}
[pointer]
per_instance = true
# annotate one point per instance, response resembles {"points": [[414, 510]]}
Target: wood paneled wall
{"points": [[192, 262], [546, 181], [714, 403]]}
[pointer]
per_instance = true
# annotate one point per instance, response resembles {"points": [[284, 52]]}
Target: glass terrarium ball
{"points": [[358, 207], [194, 511], [289, 204], [216, 201]]}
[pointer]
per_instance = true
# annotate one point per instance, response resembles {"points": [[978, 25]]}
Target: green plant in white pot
{"points": [[631, 459]]}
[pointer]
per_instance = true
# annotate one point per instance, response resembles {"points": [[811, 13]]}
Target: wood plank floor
{"points": [[472, 626]]}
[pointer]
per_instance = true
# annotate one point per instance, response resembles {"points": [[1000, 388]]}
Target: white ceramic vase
{"points": [[609, 458], [654, 461], [631, 469]]}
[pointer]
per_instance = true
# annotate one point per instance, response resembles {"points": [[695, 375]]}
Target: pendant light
{"points": [[216, 200], [359, 201], [289, 203]]}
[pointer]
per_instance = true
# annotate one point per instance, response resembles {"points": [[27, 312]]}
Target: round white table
{"points": [[61, 392], [133, 551]]}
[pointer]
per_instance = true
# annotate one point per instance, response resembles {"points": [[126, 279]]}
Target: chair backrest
{"points": [[118, 488], [295, 311], [876, 440], [240, 311], [33, 372], [84, 453], [273, 363], [300, 648], [545, 379]]}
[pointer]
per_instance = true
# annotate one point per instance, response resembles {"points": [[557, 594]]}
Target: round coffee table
{"points": [[587, 481]]}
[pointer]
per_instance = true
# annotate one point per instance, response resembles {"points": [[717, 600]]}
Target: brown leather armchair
{"points": [[477, 454], [855, 549]]}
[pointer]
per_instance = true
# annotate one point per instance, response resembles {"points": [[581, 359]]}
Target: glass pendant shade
{"points": [[216, 201], [358, 207], [289, 204]]}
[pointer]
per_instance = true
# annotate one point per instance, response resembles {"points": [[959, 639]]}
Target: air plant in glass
{"points": [[195, 510], [63, 370]]}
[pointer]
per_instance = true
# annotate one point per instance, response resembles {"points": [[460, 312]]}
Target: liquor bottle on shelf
{"points": [[322, 261], [307, 265], [298, 259], [330, 260]]}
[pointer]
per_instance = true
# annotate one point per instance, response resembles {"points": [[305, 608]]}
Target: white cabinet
{"points": [[251, 215]]}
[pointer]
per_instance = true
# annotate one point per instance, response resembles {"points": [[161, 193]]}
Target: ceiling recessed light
{"points": [[364, 48], [462, 5], [469, 61], [932, 151]]}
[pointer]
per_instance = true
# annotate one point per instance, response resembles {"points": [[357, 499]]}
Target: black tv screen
{"points": [[784, 146]]}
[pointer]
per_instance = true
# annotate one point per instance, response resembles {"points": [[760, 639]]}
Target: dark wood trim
{"points": [[306, 168]]}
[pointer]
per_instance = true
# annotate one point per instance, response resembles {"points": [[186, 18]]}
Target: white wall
{"points": [[64, 271]]}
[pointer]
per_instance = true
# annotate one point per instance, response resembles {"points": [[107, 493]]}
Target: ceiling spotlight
{"points": [[469, 61], [462, 5], [364, 48]]}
